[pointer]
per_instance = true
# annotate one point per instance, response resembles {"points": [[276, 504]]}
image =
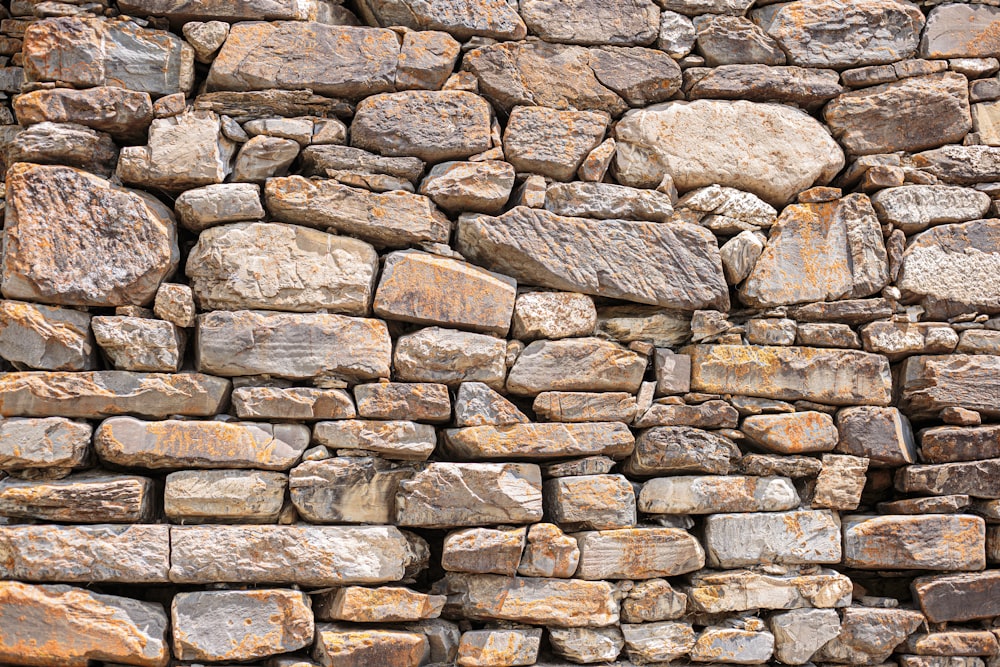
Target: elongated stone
{"points": [[303, 554], [69, 626], [305, 403], [732, 646], [90, 497], [714, 494], [560, 603], [582, 406], [391, 219], [271, 621], [86, 554], [930, 542], [419, 401], [952, 643], [741, 590], [802, 537], [292, 345], [534, 441], [124, 114], [85, 52], [281, 267], [130, 442], [835, 377], [958, 597], [575, 364], [446, 495], [105, 393], [932, 383], [347, 489], [63, 143], [669, 265], [485, 18], [657, 642], [792, 433], [490, 647], [948, 444], [387, 604], [681, 449], [428, 289], [46, 444], [356, 646], [450, 357], [73, 238], [397, 440], [592, 22], [805, 87], [224, 496], [183, 11], [913, 208], [260, 56], [980, 479], [638, 553]]}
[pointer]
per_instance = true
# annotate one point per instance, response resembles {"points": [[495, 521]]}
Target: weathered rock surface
{"points": [[45, 337], [403, 440], [930, 542], [974, 478], [868, 636], [124, 114], [484, 550], [550, 142], [932, 383], [698, 143], [681, 449], [638, 553], [803, 537], [714, 494], [485, 18], [347, 489], [958, 597], [799, 633], [575, 364], [52, 444], [89, 497], [592, 22], [235, 496], [740, 590], [538, 441], [139, 344], [523, 243], [801, 86], [304, 403], [390, 604], [481, 187], [450, 357], [916, 207], [957, 30]]}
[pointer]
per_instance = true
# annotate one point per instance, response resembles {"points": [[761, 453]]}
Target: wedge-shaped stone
{"points": [[476, 404], [826, 251], [183, 11], [590, 502], [804, 87], [356, 646], [419, 401], [86, 554], [701, 143], [606, 201], [52, 444], [911, 114], [742, 590], [791, 538], [281, 267], [463, 19], [792, 433], [292, 345], [929, 542], [72, 238], [124, 114], [397, 440], [914, 208], [347, 489], [262, 56], [674, 265], [813, 33], [868, 636], [638, 553], [447, 495], [533, 441], [388, 604], [240, 625], [952, 269], [712, 494], [129, 442], [958, 597], [450, 357], [483, 550], [576, 364], [679, 449], [560, 603], [835, 377], [303, 554], [427, 289], [90, 497], [386, 219], [306, 403], [431, 125], [959, 30], [947, 444], [932, 383], [104, 393], [85, 52], [883, 435], [980, 479], [224, 496], [70, 627]]}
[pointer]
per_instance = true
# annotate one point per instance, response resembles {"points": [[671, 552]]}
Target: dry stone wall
{"points": [[489, 332]]}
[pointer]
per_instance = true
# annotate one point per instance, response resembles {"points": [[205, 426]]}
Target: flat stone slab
{"points": [[742, 590], [539, 441], [638, 553], [930, 542], [350, 489], [931, 383], [979, 479], [46, 443], [395, 440], [711, 494], [231, 496], [791, 538], [89, 497], [958, 597]]}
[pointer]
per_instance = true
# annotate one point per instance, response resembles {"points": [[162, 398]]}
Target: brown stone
{"points": [[450, 357], [575, 364], [535, 441], [281, 403], [359, 647], [388, 604], [484, 550], [958, 597], [124, 114], [931, 542], [792, 433], [980, 479], [883, 435], [805, 87], [932, 383], [948, 444], [90, 497], [638, 553], [462, 18], [419, 401]]}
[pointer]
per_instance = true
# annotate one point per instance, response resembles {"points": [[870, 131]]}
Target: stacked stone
{"points": [[496, 333]]}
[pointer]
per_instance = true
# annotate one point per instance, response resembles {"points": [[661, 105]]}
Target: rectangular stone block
{"points": [[65, 626], [539, 441], [740, 590], [680, 449], [292, 345], [98, 394], [575, 364], [583, 406], [305, 403], [958, 597], [710, 494], [883, 435], [790, 538], [49, 443], [979, 479], [638, 553], [944, 542], [396, 440], [89, 497], [386, 604], [419, 401], [590, 502], [136, 554], [483, 550], [129, 442], [949, 444], [931, 383], [224, 496], [561, 603], [347, 489], [515, 646], [306, 555], [357, 646], [833, 377]]}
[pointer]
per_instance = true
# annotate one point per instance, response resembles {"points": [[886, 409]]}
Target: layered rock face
{"points": [[489, 333]]}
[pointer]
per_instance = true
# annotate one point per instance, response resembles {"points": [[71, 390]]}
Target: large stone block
{"points": [[347, 489], [948, 444], [230, 496], [537, 441], [124, 114], [464, 18], [638, 553], [231, 11], [357, 646], [681, 449], [52, 444], [450, 357], [792, 538], [883, 435], [959, 30], [396, 440], [46, 338], [590, 502], [576, 364], [929, 542], [90, 497], [958, 597], [552, 143], [712, 494], [980, 479], [742, 590], [931, 383], [292, 345]]}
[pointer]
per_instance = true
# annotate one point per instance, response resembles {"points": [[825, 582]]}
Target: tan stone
{"points": [[232, 496], [351, 489], [742, 590], [124, 114], [653, 600], [450, 357], [352, 646], [929, 542], [534, 441], [792, 433], [932, 383], [305, 403], [638, 553], [44, 337], [590, 502], [462, 18], [552, 143], [582, 406], [140, 344], [712, 494], [90, 497], [791, 538], [484, 550], [460, 187], [487, 648], [395, 440], [419, 401], [388, 604]]}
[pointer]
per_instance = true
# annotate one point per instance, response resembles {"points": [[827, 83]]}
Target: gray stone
{"points": [[726, 210], [538, 441], [90, 497], [204, 207], [478, 405], [914, 208], [318, 160], [140, 344], [280, 403], [587, 645], [450, 357], [734, 40], [577, 364], [714, 494], [581, 406], [790, 538], [206, 38], [647, 257], [548, 552], [481, 187], [124, 114], [401, 400], [733, 646], [680, 449], [396, 440], [974, 478], [292, 345], [553, 315], [805, 87], [607, 201], [958, 597], [484, 18], [445, 495], [959, 30], [550, 142], [264, 157], [590, 502], [868, 636], [592, 22], [45, 337], [663, 327], [697, 7], [883, 435], [224, 496], [946, 444], [960, 165], [932, 383], [898, 340], [638, 553], [51, 446], [677, 34], [347, 490], [182, 11], [483, 550], [742, 590], [63, 143], [799, 633], [675, 137], [657, 642]]}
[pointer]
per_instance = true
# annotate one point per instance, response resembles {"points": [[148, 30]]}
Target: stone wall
{"points": [[410, 332]]}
